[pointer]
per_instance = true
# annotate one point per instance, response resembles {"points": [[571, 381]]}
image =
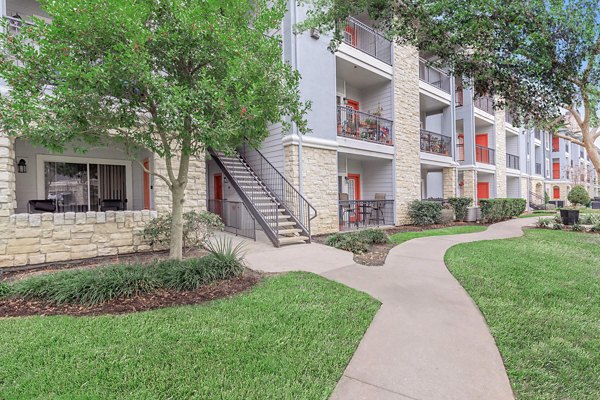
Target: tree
{"points": [[578, 196], [540, 57], [175, 77]]}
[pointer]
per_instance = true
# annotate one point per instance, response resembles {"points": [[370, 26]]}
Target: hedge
{"points": [[460, 206], [423, 212], [495, 210]]}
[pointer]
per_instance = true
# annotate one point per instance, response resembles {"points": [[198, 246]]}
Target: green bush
{"points": [[460, 206], [95, 286], [557, 226], [543, 223], [546, 198], [578, 196], [595, 228], [495, 210], [589, 219], [198, 227], [578, 228], [373, 236], [423, 212]]}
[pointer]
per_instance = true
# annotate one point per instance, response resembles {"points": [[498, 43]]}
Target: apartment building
{"points": [[387, 128]]}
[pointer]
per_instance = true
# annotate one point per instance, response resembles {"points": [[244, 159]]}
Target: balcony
{"points": [[363, 126], [357, 214], [484, 103], [509, 117], [364, 38], [538, 135], [538, 168], [512, 161], [436, 143], [485, 155], [434, 76], [460, 152]]}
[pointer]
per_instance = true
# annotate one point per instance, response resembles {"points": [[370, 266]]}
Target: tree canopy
{"points": [[172, 76]]}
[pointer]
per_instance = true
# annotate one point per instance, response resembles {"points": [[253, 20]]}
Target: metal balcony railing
{"points": [[363, 126], [538, 168], [484, 103], [436, 143], [356, 214], [512, 161], [434, 76], [485, 155], [15, 25], [460, 152], [364, 38]]}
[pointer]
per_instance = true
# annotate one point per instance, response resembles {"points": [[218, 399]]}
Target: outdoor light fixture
{"points": [[22, 166]]}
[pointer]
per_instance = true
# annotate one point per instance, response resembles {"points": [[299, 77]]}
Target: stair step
{"points": [[286, 223], [291, 231], [292, 240]]}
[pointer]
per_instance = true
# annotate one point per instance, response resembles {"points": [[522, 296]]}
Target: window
{"points": [[80, 185]]}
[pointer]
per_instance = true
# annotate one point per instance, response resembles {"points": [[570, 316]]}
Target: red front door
{"points": [[146, 185], [482, 155], [354, 193], [483, 190], [218, 185]]}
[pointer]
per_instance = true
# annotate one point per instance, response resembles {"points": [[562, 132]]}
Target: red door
{"points": [[556, 170], [146, 185], [353, 119], [350, 35], [555, 144], [483, 190], [481, 155], [354, 193], [556, 192], [218, 188]]}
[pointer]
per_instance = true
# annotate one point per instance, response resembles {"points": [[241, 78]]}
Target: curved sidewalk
{"points": [[428, 341]]}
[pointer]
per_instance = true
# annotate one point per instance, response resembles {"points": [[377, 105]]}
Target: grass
{"points": [[537, 214], [539, 295], [289, 338], [401, 237]]}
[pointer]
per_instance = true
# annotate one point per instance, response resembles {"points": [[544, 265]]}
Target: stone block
{"points": [[36, 259], [80, 218], [58, 256], [35, 219]]}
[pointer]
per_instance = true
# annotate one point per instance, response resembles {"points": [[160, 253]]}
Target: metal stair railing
{"points": [[301, 211]]}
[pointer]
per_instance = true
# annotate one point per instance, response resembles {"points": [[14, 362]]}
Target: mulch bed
{"points": [[143, 302], [377, 253], [89, 263]]}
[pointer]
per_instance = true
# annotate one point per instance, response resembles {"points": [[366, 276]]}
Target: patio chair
{"points": [[378, 209], [111, 205], [41, 206], [346, 209]]}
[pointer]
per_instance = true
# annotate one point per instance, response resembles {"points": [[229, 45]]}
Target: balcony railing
{"points": [[460, 152], [363, 126], [434, 76], [509, 117], [538, 168], [538, 135], [356, 214], [436, 143], [364, 38], [485, 155], [459, 97], [15, 25], [512, 161], [484, 103]]}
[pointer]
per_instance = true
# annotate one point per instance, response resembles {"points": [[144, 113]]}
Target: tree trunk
{"points": [[176, 245], [594, 156]]}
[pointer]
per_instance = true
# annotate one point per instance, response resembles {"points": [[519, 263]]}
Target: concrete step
{"points": [[292, 240], [290, 231], [283, 224]]}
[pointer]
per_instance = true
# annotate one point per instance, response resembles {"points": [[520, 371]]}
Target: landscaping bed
{"points": [[539, 296], [289, 337]]}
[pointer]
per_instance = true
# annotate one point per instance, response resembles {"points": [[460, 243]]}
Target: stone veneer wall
{"points": [[195, 193], [319, 183], [407, 130], [500, 127], [470, 184], [449, 182], [38, 238], [7, 177]]}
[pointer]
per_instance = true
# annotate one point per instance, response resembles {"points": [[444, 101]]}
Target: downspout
{"points": [[295, 66]]}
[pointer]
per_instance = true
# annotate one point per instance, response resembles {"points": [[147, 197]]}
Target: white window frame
{"points": [[42, 158]]}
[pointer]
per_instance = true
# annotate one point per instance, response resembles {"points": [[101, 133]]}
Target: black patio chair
{"points": [[41, 206]]}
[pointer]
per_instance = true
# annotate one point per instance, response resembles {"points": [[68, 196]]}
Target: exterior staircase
{"points": [[536, 202], [281, 211]]}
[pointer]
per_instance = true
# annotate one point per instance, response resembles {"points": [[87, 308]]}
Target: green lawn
{"points": [[289, 338], [402, 237], [539, 214], [540, 297]]}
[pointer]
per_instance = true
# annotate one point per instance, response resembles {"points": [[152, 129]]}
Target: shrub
{"points": [[595, 228], [348, 241], [578, 196], [460, 206], [578, 228], [494, 210], [423, 212], [557, 219], [543, 223], [546, 198], [95, 286], [558, 226], [589, 219], [373, 236], [198, 227]]}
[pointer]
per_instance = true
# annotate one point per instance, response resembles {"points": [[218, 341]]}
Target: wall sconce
{"points": [[22, 166]]}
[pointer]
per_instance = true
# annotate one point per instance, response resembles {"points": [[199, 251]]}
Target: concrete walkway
{"points": [[428, 341]]}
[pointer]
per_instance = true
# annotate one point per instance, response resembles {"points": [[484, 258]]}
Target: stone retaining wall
{"points": [[27, 239]]}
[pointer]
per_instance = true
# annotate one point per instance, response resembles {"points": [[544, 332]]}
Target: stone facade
{"points": [[27, 239], [500, 127], [469, 184], [7, 177], [449, 182], [195, 192], [319, 183], [407, 130]]}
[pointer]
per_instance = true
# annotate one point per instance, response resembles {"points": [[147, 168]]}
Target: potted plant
{"points": [[577, 196]]}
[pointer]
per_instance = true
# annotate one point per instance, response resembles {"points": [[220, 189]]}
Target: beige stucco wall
{"points": [[407, 130], [319, 183]]}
